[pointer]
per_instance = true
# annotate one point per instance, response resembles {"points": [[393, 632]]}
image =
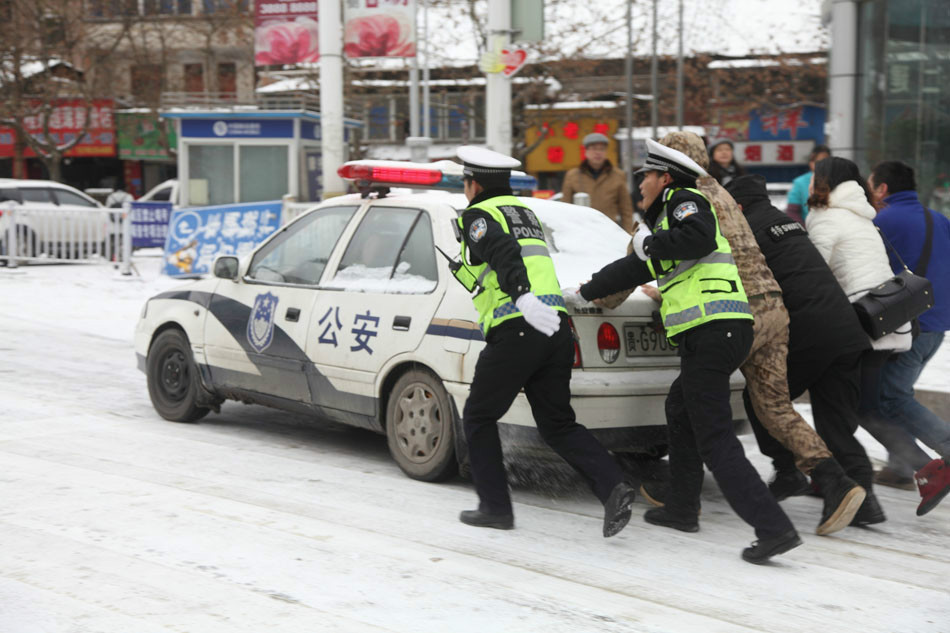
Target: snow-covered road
{"points": [[117, 521]]}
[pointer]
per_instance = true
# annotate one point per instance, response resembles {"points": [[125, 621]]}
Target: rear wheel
{"points": [[173, 378], [419, 427]]}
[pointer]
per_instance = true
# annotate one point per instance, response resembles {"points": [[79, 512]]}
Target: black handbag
{"points": [[900, 299]]}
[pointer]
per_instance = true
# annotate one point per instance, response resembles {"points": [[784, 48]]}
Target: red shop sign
{"points": [[65, 123]]}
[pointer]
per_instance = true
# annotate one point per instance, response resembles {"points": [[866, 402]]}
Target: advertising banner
{"points": [[379, 28], [285, 32], [197, 235], [150, 223], [766, 153], [799, 123], [140, 136], [65, 124]]}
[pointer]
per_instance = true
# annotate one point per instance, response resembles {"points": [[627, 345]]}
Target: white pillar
{"points": [[498, 88], [331, 95], [842, 78]]}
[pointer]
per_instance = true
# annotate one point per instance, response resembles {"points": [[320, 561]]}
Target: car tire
{"points": [[420, 428], [173, 378]]}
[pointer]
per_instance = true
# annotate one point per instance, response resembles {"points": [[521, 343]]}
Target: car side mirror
{"points": [[226, 267]]}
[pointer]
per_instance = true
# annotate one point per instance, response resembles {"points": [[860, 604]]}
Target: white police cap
{"points": [[478, 161], [663, 158]]}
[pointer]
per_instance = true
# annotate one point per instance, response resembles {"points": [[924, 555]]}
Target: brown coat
{"points": [[608, 192]]}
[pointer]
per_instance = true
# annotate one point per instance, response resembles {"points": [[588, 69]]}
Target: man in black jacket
{"points": [[825, 342]]}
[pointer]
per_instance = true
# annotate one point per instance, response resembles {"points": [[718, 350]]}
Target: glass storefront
{"points": [[904, 92]]}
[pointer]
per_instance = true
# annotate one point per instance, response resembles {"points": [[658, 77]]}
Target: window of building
{"points": [[167, 7], [211, 174], [264, 173], [194, 78], [146, 81], [227, 80]]}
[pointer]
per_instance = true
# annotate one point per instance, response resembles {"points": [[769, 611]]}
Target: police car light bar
{"points": [[443, 174]]}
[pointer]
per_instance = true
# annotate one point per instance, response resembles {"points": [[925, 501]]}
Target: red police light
{"points": [[390, 175]]}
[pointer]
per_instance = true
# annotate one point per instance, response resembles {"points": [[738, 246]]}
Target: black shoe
{"points": [[764, 549], [789, 483], [870, 512], [682, 521], [843, 497], [617, 508], [483, 519]]}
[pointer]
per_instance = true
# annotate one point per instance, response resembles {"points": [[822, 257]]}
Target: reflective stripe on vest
{"points": [[685, 284], [493, 305]]}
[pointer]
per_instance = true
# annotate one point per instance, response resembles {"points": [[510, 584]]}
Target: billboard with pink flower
{"points": [[285, 32], [379, 28]]}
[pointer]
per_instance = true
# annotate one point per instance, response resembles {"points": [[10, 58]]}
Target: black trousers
{"points": [[518, 356], [701, 431], [833, 385]]}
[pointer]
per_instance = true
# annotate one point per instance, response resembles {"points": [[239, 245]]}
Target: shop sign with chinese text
{"points": [[140, 136], [562, 147], [773, 152], [66, 122]]}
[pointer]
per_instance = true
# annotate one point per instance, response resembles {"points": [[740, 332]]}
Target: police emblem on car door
{"points": [[260, 325]]}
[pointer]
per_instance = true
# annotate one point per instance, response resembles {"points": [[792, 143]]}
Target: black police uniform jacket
{"points": [[691, 235]]}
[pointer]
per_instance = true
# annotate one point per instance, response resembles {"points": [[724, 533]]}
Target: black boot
{"points": [[870, 511], [843, 496], [617, 509], [682, 520], [484, 519], [763, 549], [789, 483]]}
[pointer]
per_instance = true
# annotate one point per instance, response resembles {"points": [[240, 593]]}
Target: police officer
{"points": [[706, 315], [505, 261]]}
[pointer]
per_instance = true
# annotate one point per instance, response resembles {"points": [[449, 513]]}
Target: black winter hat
{"points": [[748, 189]]}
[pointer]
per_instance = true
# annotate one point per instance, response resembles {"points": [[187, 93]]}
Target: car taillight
{"points": [[608, 342], [577, 347]]}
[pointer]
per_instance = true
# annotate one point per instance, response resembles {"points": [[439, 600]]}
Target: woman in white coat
{"points": [[840, 225]]}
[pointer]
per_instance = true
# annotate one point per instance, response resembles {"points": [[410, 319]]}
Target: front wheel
{"points": [[173, 378], [419, 427]]}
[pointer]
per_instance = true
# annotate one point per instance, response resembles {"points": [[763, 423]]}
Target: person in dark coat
{"points": [[722, 164], [825, 344]]}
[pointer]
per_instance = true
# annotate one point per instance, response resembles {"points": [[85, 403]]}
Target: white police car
{"points": [[350, 313]]}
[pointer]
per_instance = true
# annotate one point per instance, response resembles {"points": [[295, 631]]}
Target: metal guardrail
{"points": [[50, 234]]}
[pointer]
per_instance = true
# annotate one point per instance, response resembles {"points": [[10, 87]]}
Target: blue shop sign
{"points": [[800, 123], [150, 223], [197, 235], [310, 131], [237, 128]]}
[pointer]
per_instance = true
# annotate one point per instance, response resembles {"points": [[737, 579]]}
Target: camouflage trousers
{"points": [[766, 375]]}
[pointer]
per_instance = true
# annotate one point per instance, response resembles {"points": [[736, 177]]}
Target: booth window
{"points": [[263, 172], [211, 174]]}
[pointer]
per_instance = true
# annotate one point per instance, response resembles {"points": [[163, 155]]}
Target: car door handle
{"points": [[401, 323], [292, 314]]}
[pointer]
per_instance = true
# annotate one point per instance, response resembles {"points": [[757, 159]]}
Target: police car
{"points": [[351, 313]]}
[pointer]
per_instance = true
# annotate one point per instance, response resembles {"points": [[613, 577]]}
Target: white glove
{"points": [[541, 317], [642, 233], [573, 297]]}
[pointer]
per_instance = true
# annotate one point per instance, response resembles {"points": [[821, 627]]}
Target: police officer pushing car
{"points": [[706, 315], [529, 345]]}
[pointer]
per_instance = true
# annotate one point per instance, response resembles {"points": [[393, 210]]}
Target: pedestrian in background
{"points": [[921, 238], [706, 315], [723, 166], [529, 345], [798, 196], [840, 224], [605, 184]]}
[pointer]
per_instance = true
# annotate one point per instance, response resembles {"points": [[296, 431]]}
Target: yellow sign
{"points": [[562, 147]]}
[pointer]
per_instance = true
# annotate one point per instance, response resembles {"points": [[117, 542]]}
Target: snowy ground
{"points": [[117, 521]]}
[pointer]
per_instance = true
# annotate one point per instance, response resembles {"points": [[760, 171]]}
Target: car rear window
{"points": [[36, 194], [73, 199]]}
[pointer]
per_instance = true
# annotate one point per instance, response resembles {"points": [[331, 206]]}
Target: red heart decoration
{"points": [[513, 61]]}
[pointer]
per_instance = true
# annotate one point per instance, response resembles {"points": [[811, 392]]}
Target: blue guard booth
{"points": [[235, 156]]}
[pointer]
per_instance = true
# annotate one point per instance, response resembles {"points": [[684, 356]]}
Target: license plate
{"points": [[643, 340]]}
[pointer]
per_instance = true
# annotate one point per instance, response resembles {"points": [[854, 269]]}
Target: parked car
{"points": [[163, 192], [56, 220], [350, 313]]}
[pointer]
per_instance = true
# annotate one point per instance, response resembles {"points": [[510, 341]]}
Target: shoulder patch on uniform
{"points": [[685, 210], [778, 232], [478, 229]]}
